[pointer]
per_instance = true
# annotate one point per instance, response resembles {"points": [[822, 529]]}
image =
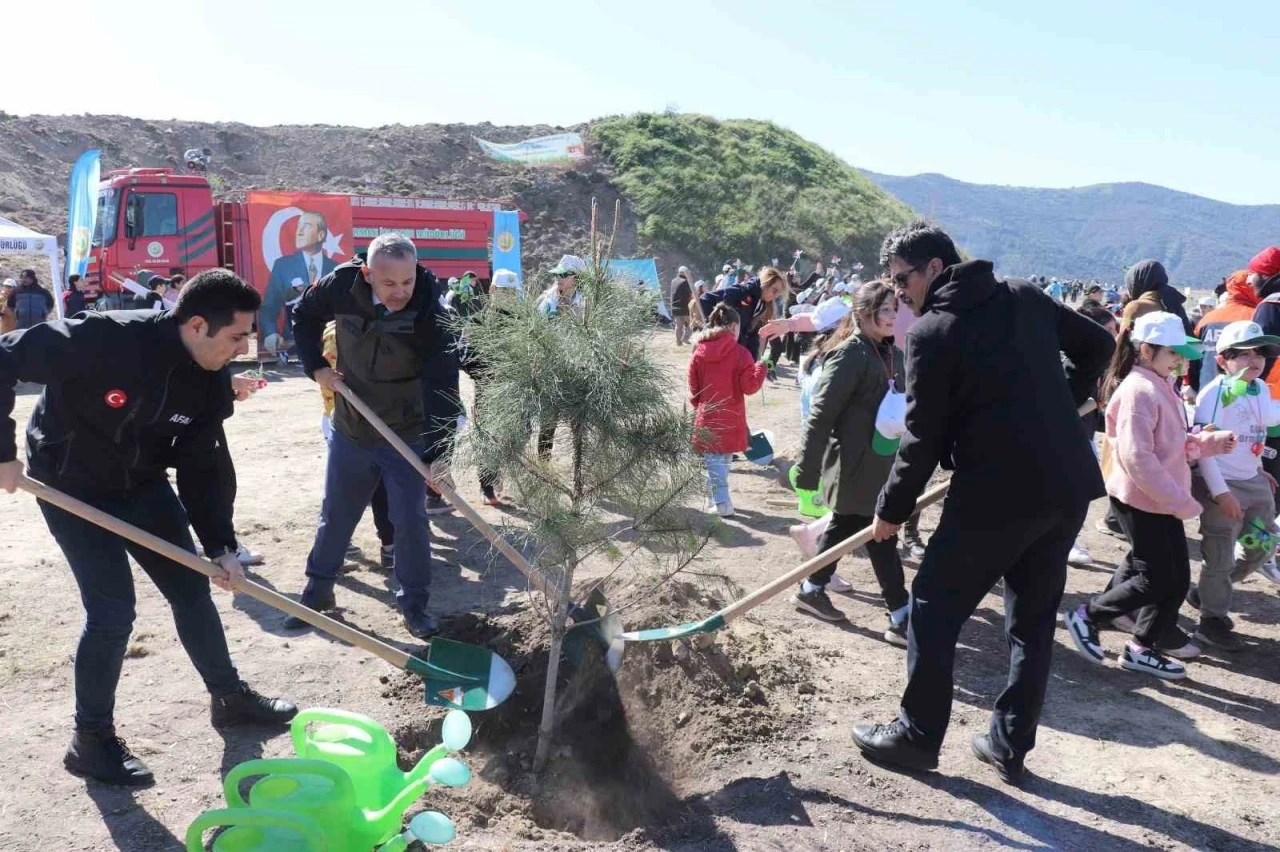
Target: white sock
{"points": [[900, 615], [809, 588]]}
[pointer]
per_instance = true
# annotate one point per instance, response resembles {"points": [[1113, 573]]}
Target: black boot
{"points": [[243, 706], [1008, 768], [103, 756], [318, 595]]}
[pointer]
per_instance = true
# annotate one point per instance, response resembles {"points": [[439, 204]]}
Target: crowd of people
{"points": [[938, 364], [941, 364]]}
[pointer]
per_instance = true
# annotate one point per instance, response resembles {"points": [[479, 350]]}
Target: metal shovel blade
{"points": [[595, 622], [463, 677]]}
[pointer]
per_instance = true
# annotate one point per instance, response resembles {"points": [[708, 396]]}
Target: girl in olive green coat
{"points": [[849, 442]]}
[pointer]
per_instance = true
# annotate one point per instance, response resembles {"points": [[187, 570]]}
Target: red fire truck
{"points": [[159, 222]]}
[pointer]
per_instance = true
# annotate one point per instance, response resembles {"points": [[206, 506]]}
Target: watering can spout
{"points": [[398, 805], [423, 767]]}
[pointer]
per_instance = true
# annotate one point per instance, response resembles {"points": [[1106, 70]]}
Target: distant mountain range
{"points": [[1092, 231]]}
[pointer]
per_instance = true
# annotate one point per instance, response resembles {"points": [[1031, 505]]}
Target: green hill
{"points": [[748, 189]]}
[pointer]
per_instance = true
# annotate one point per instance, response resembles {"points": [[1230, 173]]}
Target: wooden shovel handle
{"points": [[842, 549], [455, 500], [171, 551]]}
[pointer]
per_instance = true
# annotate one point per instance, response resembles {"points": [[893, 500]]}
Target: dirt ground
{"points": [[740, 745]]}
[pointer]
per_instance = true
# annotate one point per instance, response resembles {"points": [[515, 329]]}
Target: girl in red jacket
{"points": [[721, 374]]}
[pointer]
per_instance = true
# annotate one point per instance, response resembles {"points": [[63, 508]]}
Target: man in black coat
{"points": [[988, 399], [128, 395]]}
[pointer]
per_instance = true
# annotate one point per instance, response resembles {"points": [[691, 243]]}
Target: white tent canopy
{"points": [[15, 239]]}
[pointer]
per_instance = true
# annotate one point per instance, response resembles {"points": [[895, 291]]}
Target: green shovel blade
{"points": [[463, 677], [659, 634]]}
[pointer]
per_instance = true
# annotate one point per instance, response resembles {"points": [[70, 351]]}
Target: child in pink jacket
{"points": [[1150, 489]]}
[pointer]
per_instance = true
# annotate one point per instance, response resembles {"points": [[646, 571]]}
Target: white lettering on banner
{"points": [[419, 234], [180, 418], [422, 203]]}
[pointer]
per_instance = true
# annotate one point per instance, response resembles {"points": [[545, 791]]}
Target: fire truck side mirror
{"points": [[132, 217]]}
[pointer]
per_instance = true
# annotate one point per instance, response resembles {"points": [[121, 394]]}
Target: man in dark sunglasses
{"points": [[988, 399]]}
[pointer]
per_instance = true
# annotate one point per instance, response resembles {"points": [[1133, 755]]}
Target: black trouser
{"points": [[775, 349], [99, 561], [967, 554], [884, 559], [546, 439], [1153, 579]]}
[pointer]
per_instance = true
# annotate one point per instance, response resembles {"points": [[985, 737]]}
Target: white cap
{"points": [[506, 279], [682, 269], [699, 283], [569, 264], [829, 314], [1164, 329], [453, 281], [1246, 334], [9, 282], [726, 268]]}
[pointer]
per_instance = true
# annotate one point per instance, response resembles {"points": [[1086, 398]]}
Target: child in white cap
{"points": [[1238, 496]]}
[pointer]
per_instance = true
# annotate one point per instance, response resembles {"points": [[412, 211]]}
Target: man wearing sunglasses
{"points": [[987, 398]]}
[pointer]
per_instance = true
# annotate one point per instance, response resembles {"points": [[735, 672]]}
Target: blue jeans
{"points": [[100, 562], [351, 475], [718, 476]]}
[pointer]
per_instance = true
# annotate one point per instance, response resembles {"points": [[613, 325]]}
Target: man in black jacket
{"points": [[987, 398], [397, 357], [128, 395]]}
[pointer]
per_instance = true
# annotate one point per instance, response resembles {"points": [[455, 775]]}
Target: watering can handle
{"points": [[260, 817], [298, 727], [283, 766]]}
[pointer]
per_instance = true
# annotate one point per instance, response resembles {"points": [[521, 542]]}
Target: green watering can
{"points": [[323, 793], [253, 830], [364, 749], [811, 504]]}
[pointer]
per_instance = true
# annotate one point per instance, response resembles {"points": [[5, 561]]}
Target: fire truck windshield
{"points": [[104, 234]]}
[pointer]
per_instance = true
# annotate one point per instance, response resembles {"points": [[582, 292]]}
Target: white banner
{"points": [[545, 149]]}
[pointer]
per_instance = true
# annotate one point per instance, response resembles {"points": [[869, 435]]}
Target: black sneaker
{"points": [[1218, 633], [896, 634], [1084, 633], [421, 625], [889, 744], [817, 604], [1009, 769], [1137, 658], [437, 505], [244, 706], [911, 547], [318, 595], [387, 556], [103, 756]]}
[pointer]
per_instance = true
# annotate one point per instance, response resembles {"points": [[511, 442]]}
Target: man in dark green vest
{"points": [[395, 354]]}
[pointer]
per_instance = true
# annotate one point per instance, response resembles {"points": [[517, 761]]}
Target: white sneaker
{"points": [[806, 539], [1138, 659], [247, 557], [839, 584], [709, 506], [725, 510], [1079, 556]]}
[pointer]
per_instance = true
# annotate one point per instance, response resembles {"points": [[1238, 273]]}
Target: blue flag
{"points": [[82, 211], [506, 240]]}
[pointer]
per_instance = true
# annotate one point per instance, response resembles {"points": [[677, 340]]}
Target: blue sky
{"points": [[1036, 94]]}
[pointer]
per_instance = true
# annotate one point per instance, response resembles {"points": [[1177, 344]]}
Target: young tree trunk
{"points": [[560, 617]]}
